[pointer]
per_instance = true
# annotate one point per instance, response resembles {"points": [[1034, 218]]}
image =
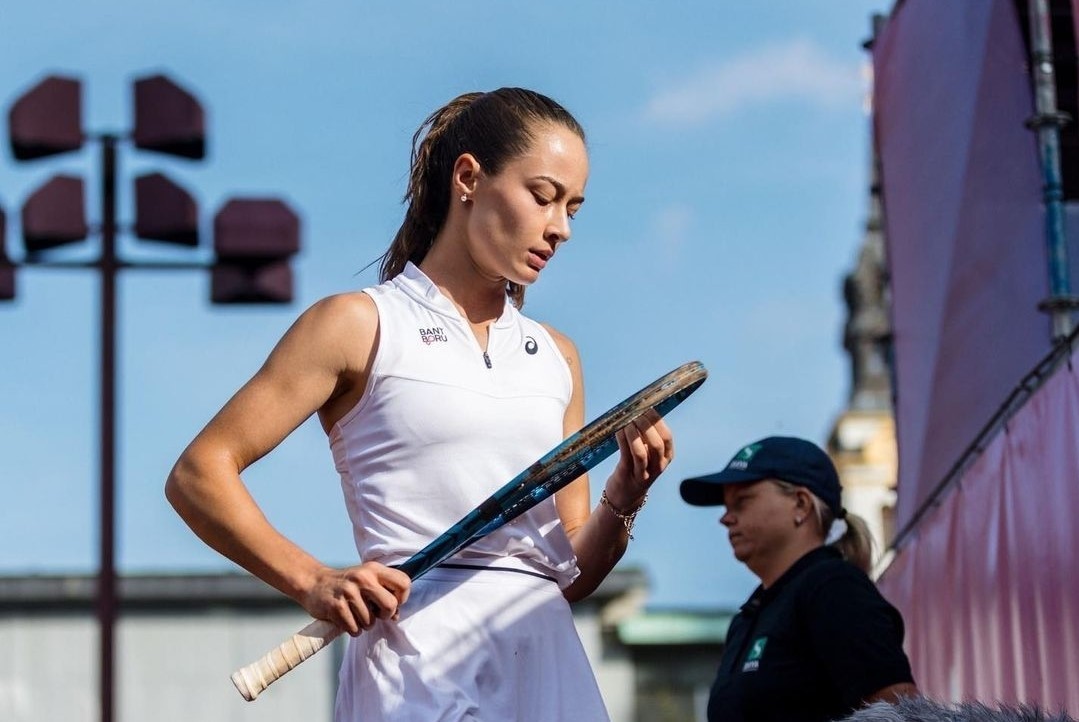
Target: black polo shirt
{"points": [[809, 648]]}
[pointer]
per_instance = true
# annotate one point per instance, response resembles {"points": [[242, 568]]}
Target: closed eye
{"points": [[738, 501], [546, 183]]}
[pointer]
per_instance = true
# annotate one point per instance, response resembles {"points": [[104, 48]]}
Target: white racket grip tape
{"points": [[257, 676]]}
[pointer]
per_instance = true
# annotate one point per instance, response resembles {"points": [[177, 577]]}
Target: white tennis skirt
{"points": [[471, 645]]}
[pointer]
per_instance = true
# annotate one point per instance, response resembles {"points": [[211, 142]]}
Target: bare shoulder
{"points": [[335, 334], [565, 345], [345, 309], [329, 349]]}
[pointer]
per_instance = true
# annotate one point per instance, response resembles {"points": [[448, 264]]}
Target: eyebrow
{"points": [[560, 188]]}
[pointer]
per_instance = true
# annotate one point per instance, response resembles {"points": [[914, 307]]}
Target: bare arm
{"points": [[321, 361], [599, 537]]}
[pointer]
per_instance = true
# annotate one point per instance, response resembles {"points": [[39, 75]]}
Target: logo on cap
{"points": [[742, 458]]}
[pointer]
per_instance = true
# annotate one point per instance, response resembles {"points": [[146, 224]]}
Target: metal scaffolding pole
{"points": [[1047, 122]]}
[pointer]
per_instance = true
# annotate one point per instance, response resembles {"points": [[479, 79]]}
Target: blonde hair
{"points": [[856, 544]]}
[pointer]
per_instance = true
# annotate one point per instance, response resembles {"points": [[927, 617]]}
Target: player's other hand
{"points": [[354, 597], [646, 448]]}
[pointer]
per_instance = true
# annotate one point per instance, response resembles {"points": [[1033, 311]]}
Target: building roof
{"points": [[143, 591], [675, 627]]}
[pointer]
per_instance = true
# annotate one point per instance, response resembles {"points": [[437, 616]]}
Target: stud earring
{"points": [[798, 521], [464, 198]]}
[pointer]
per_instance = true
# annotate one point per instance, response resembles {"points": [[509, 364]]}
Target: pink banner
{"points": [[986, 579], [961, 186], [988, 585]]}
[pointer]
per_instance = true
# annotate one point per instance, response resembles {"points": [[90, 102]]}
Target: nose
{"points": [[727, 519], [558, 229]]}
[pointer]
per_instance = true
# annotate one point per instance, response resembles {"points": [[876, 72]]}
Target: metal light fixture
{"points": [[165, 212], [47, 119], [254, 239], [54, 215], [168, 119]]}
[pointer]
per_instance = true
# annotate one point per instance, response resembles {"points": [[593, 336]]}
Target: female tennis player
{"points": [[434, 389]]}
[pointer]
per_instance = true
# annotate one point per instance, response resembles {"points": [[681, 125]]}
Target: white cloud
{"points": [[797, 71]]}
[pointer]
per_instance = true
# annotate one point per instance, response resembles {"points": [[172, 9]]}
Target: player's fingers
{"points": [[658, 437], [636, 448], [651, 421], [644, 445], [344, 616], [666, 445], [363, 611], [380, 603], [399, 584]]}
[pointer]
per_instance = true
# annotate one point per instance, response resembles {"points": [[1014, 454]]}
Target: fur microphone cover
{"points": [[921, 709]]}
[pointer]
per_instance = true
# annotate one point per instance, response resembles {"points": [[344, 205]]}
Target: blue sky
{"points": [[729, 147]]}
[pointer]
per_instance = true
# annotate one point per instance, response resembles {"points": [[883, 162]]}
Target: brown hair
{"points": [[494, 127]]}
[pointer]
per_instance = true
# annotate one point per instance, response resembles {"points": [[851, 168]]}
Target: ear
{"points": [[803, 501], [466, 172]]}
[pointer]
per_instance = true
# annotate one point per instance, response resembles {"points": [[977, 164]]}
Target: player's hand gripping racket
{"points": [[566, 462]]}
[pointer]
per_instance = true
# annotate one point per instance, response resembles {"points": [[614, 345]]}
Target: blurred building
{"points": [[179, 637], [862, 441], [675, 655]]}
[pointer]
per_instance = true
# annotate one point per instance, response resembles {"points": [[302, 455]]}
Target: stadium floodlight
{"points": [[253, 240], [47, 119], [168, 119], [54, 215], [165, 212]]}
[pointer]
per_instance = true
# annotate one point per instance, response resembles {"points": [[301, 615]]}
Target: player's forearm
{"points": [[599, 545], [215, 504]]}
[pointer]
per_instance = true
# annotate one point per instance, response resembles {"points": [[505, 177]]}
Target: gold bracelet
{"points": [[627, 518]]}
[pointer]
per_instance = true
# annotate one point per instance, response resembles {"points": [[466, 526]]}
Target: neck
{"points": [[769, 571], [479, 298]]}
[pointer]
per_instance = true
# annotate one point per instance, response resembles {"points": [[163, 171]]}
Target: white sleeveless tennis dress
{"points": [[442, 424]]}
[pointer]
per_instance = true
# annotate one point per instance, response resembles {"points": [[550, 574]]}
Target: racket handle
{"points": [[257, 676]]}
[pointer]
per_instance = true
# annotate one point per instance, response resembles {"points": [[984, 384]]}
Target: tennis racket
{"points": [[560, 466]]}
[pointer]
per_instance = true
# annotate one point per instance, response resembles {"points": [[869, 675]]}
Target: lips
{"points": [[539, 259]]}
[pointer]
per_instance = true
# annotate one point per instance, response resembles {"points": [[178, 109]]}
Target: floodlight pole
{"points": [[250, 268], [106, 578]]}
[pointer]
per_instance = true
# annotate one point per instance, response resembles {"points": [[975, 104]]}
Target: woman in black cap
{"points": [[816, 639]]}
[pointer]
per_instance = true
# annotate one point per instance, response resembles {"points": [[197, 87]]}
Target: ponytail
{"points": [[426, 198], [856, 544]]}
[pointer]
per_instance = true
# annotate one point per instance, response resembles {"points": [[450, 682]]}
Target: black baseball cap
{"points": [[786, 458]]}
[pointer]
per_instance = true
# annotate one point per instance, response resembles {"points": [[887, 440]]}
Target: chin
{"points": [[526, 278]]}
